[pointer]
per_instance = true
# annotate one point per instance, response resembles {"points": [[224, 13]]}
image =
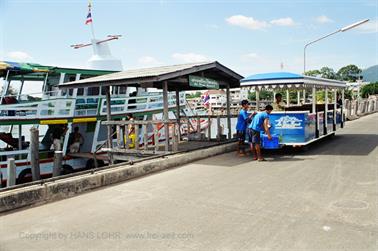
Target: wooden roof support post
{"points": [[334, 109], [228, 100], [165, 114], [108, 118], [178, 113], [342, 107]]}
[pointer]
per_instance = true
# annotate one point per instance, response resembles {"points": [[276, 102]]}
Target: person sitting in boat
{"points": [[58, 131], [278, 104], [75, 140]]}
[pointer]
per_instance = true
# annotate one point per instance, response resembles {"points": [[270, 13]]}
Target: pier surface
{"points": [[324, 198]]}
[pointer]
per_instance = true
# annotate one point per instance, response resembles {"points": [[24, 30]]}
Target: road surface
{"points": [[322, 199]]}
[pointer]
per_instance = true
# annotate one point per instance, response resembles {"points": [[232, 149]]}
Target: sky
{"points": [[247, 36]]}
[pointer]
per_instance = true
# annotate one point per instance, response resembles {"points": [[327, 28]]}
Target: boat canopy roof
{"points": [[288, 80], [177, 76], [32, 71]]}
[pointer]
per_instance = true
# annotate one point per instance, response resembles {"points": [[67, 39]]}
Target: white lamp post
{"points": [[330, 34]]}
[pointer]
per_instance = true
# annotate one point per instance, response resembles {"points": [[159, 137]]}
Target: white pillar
{"points": [[298, 97], [287, 98], [326, 110], [165, 114], [313, 99], [257, 99]]}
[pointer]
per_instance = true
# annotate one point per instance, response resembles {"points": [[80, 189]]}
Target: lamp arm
{"points": [[314, 41]]}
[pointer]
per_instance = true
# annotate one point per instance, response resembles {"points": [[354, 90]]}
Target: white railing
{"points": [[63, 107], [38, 109], [123, 105]]}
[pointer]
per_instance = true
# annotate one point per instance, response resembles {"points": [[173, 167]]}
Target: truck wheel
{"points": [[66, 169], [25, 176]]}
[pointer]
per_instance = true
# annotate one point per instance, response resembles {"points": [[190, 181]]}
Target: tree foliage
{"points": [[327, 72], [349, 73], [369, 89], [312, 73]]}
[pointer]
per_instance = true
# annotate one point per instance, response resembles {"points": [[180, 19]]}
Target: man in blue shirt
{"points": [[260, 123], [241, 126]]}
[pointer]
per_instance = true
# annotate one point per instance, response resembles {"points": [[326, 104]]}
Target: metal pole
{"points": [[228, 111], [34, 153], [58, 158], [165, 114], [326, 111], [315, 112], [11, 172], [314, 41]]}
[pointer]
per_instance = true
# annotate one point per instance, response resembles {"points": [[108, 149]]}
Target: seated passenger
{"points": [[75, 140], [279, 105]]}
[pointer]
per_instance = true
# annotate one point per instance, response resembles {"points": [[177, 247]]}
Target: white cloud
{"points": [[247, 22], [189, 57], [18, 56], [287, 21], [149, 61], [369, 27], [323, 19]]}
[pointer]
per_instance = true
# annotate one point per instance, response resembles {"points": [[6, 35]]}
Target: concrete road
{"points": [[321, 199]]}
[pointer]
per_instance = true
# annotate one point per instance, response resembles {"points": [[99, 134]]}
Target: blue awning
{"points": [[272, 76], [288, 80]]}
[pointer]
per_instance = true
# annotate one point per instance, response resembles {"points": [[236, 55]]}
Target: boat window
{"points": [[93, 91], [103, 90], [122, 90], [80, 91], [70, 92]]}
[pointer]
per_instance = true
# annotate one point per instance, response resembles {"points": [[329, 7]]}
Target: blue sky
{"points": [[247, 36]]}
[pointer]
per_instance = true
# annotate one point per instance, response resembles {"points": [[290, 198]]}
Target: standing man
{"points": [[241, 126], [260, 123], [278, 104]]}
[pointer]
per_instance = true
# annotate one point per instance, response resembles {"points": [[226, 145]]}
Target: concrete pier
{"points": [[324, 198]]}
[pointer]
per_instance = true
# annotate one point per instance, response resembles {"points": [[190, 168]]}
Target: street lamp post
{"points": [[330, 34]]}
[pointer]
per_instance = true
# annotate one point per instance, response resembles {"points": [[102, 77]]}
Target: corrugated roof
{"points": [[150, 75]]}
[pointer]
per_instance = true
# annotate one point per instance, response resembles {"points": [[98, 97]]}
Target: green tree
{"points": [[349, 73], [312, 73], [327, 72], [369, 89], [194, 95]]}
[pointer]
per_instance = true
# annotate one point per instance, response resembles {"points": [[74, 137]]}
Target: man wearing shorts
{"points": [[259, 124], [241, 126]]}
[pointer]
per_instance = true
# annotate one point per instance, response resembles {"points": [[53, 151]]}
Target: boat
{"points": [[84, 108]]}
